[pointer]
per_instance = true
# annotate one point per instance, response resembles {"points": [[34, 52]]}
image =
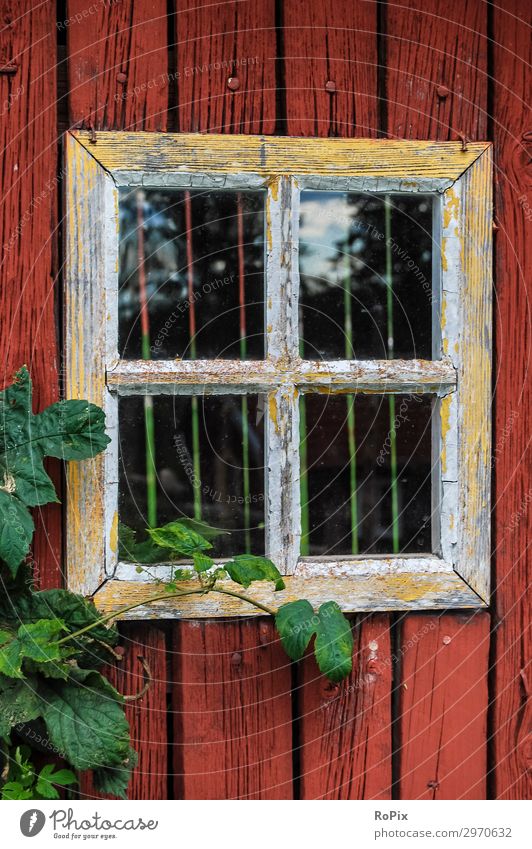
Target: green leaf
{"points": [[183, 574], [13, 790], [50, 669], [70, 430], [333, 646], [127, 538], [75, 611], [48, 777], [15, 411], [34, 641], [208, 532], [16, 530], [178, 538], [11, 659], [114, 781], [145, 552], [87, 723], [246, 568], [19, 702], [297, 622], [37, 640], [33, 486], [202, 562]]}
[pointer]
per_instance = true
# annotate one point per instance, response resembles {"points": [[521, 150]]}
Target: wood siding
{"points": [[433, 709]]}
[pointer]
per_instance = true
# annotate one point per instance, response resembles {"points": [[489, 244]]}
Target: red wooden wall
{"points": [[436, 705]]}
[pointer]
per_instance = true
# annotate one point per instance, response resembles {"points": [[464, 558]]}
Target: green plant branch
{"points": [[160, 597]]}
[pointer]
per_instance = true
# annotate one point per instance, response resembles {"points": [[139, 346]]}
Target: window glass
{"points": [[191, 281], [366, 474], [208, 464], [366, 275]]}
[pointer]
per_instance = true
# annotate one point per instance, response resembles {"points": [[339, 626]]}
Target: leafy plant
{"points": [[53, 643], [49, 671], [296, 621], [24, 782], [69, 430]]}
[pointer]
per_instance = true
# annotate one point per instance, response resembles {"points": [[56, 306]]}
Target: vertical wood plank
{"points": [[436, 87], [232, 708], [436, 69], [345, 748], [118, 64], [330, 68], [28, 228], [346, 728], [218, 42], [129, 39], [443, 696], [219, 705], [512, 649], [147, 717]]}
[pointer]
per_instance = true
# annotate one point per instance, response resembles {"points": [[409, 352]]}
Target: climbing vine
{"points": [[54, 644]]}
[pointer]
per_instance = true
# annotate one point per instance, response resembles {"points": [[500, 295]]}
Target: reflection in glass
{"points": [[207, 478], [366, 486], [366, 275], [191, 280]]}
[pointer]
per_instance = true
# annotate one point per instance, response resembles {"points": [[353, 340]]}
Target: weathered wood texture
{"points": [[232, 713], [511, 721], [345, 729], [443, 700], [367, 591], [433, 80], [415, 165], [226, 66], [127, 38], [436, 69], [28, 228], [208, 34], [330, 68], [320, 45], [148, 717], [118, 64], [436, 86]]}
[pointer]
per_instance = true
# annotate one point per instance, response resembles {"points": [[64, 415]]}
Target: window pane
{"points": [[209, 464], [366, 474], [192, 285], [366, 275]]}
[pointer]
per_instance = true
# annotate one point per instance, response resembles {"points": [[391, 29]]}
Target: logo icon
{"points": [[32, 822]]}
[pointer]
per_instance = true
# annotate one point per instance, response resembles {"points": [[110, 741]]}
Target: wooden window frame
{"points": [[459, 376]]}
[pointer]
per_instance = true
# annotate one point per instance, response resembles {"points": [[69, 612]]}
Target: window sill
{"points": [[399, 591]]}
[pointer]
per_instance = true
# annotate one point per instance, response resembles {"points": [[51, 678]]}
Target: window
{"points": [[305, 324]]}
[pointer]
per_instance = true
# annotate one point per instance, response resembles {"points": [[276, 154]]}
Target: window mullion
{"points": [[283, 516], [281, 314], [282, 425]]}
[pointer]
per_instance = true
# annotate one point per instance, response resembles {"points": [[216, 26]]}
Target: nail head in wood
{"points": [[121, 78], [233, 83], [330, 86], [442, 91], [264, 635], [236, 659]]}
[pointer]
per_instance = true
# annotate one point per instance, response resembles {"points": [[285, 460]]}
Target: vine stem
{"points": [[200, 591]]}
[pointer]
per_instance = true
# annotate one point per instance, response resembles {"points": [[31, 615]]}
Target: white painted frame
{"points": [[459, 375]]}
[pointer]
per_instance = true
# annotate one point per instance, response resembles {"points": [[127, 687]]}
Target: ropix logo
{"points": [[32, 822]]}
